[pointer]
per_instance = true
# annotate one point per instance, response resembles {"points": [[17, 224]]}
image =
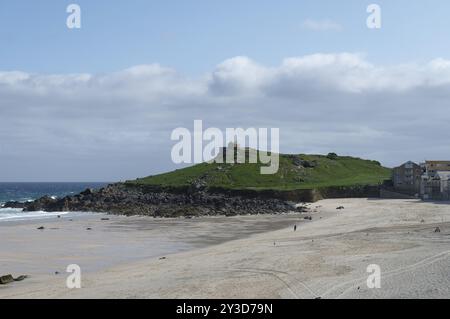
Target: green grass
{"points": [[344, 171]]}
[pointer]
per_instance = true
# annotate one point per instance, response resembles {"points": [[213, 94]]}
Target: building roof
{"points": [[408, 163]]}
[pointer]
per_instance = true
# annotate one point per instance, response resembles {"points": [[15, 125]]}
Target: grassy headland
{"points": [[296, 172]]}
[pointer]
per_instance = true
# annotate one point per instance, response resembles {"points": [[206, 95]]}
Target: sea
{"points": [[23, 192]]}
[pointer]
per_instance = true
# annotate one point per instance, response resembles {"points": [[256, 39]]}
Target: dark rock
{"points": [[13, 204], [310, 164], [45, 203], [158, 202], [21, 278], [4, 280], [299, 162], [302, 209], [87, 192]]}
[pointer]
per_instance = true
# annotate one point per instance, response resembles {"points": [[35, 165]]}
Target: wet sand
{"points": [[96, 242], [326, 257]]}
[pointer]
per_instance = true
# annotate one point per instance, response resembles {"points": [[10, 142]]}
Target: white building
{"points": [[435, 185]]}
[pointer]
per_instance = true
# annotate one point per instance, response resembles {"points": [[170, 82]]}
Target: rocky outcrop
{"points": [[194, 200], [154, 201], [299, 162], [46, 203], [13, 204]]}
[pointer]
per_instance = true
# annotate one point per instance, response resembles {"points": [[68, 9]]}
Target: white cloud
{"points": [[117, 125], [321, 25], [238, 75]]}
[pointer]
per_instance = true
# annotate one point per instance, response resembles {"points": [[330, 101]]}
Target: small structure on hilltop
{"points": [[235, 154]]}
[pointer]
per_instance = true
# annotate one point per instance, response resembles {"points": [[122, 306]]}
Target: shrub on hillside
{"points": [[332, 156]]}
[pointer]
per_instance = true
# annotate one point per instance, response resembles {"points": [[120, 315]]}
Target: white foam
{"points": [[17, 214]]}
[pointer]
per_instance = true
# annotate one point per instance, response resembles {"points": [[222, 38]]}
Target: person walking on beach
{"points": [[295, 227]]}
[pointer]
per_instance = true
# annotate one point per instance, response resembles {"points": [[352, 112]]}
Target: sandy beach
{"points": [[237, 257]]}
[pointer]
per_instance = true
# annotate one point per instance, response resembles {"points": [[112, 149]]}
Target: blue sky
{"points": [[100, 103], [194, 36]]}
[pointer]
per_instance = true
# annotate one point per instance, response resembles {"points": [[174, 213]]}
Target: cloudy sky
{"points": [[100, 103]]}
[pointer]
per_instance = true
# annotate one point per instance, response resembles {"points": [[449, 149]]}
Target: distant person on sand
{"points": [[295, 227]]}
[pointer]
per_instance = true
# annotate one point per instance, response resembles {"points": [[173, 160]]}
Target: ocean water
{"points": [[23, 192]]}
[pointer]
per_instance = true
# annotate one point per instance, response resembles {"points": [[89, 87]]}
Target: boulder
{"points": [[310, 164], [297, 162], [87, 192], [4, 280]]}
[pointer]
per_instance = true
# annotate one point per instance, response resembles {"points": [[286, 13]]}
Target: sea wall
{"points": [[389, 194]]}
